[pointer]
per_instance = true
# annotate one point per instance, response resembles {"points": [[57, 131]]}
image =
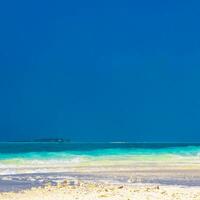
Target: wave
{"points": [[36, 162]]}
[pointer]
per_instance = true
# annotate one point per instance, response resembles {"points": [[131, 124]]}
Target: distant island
{"points": [[51, 140], [59, 140]]}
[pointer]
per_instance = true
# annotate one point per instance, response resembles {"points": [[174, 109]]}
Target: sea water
{"points": [[25, 164], [41, 157]]}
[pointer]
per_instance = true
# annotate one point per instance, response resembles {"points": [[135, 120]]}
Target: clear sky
{"points": [[100, 70]]}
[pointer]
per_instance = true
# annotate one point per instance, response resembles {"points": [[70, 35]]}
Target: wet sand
{"points": [[75, 190], [110, 174], [120, 182]]}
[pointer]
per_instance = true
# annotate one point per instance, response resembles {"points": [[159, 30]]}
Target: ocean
{"points": [[33, 157], [38, 162]]}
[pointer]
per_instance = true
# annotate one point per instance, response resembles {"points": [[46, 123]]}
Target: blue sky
{"points": [[100, 71]]}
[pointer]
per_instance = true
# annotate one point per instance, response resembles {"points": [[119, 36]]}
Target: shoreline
{"points": [[115, 171], [129, 176]]}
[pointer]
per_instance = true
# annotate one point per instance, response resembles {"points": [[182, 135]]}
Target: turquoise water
{"points": [[61, 150], [42, 157], [25, 165]]}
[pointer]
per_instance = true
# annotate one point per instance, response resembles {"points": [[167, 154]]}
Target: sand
{"points": [[102, 191]]}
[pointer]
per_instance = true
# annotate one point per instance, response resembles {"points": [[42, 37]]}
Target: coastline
{"points": [[50, 171]]}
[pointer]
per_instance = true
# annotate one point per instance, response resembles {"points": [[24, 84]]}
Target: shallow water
{"points": [[48, 157], [25, 165]]}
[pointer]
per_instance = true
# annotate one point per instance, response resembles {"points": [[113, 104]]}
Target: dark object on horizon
{"points": [[60, 140], [51, 140]]}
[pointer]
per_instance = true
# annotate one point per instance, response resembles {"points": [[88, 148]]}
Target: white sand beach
{"points": [[99, 191]]}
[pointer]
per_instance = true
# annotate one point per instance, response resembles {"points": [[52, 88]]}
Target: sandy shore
{"points": [[94, 191]]}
